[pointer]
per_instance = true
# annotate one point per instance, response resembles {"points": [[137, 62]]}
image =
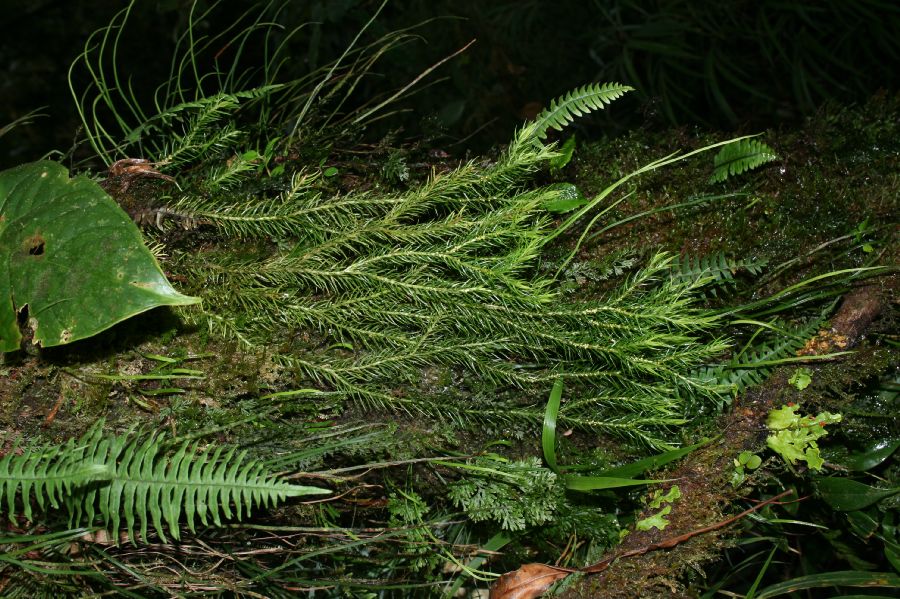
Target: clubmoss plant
{"points": [[444, 275]]}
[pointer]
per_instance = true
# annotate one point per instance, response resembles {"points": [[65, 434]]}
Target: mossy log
{"points": [[649, 563]]}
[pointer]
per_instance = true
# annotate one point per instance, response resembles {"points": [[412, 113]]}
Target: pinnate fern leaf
{"points": [[740, 156], [752, 365], [127, 478], [45, 472], [576, 103], [713, 270]]}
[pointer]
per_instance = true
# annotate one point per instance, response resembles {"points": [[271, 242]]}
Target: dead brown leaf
{"points": [[527, 582]]}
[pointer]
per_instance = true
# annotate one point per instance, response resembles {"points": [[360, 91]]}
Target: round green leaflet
{"points": [[72, 256]]}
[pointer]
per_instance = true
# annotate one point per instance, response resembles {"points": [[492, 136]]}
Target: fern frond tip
{"points": [[578, 102]]}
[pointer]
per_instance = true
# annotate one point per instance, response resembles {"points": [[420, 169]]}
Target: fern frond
{"points": [[713, 270], [148, 479], [576, 103], [151, 482], [748, 367], [50, 473], [740, 156]]}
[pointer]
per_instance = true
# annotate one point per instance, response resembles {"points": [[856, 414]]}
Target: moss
{"points": [[835, 172]]}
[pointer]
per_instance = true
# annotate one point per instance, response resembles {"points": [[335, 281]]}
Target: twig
{"points": [[424, 73], [51, 415], [672, 542]]}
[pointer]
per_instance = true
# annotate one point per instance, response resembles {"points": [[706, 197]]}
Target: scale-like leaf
{"points": [[73, 256]]}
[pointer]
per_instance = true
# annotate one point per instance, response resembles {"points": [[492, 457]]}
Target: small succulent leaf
{"points": [[72, 256], [801, 378]]}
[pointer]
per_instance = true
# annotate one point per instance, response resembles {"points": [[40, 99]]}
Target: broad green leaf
{"points": [[548, 433], [848, 578], [847, 495], [877, 452], [72, 256], [568, 198]]}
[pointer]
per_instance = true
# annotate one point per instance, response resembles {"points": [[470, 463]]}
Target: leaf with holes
{"points": [[72, 256]]}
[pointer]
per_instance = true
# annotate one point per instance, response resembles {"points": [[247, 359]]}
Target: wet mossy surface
{"points": [[834, 189], [835, 172]]}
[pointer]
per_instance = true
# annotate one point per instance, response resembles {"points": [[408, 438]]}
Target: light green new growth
{"points": [[657, 520], [744, 462], [794, 436], [126, 478], [671, 496], [658, 499]]}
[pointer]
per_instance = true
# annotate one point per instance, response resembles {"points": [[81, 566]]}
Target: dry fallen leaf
{"points": [[527, 582]]}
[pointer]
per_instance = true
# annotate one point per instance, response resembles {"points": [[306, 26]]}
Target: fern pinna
{"points": [[740, 156], [129, 477], [716, 270]]}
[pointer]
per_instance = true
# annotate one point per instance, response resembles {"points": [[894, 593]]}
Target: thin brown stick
{"points": [[672, 542], [51, 415], [423, 74]]}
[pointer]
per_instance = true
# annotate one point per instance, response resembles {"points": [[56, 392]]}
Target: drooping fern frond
{"points": [[740, 156], [753, 364], [576, 103], [714, 270], [126, 478]]}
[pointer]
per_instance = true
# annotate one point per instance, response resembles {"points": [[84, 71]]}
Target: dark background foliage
{"points": [[708, 62]]}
